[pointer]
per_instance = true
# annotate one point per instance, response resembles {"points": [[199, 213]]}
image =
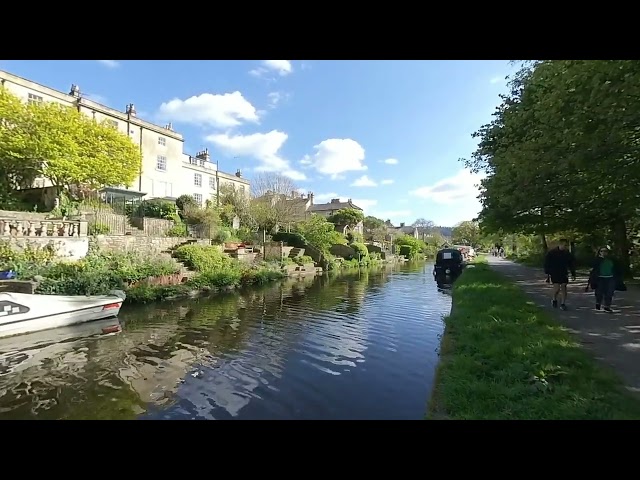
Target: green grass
{"points": [[502, 357]]}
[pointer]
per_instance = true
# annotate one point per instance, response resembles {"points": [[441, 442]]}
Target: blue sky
{"points": [[387, 134]]}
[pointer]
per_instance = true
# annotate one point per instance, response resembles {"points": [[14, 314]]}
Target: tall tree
{"points": [[467, 233], [59, 143], [274, 201]]}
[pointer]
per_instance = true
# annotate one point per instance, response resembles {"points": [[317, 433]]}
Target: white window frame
{"points": [[197, 179], [212, 183], [34, 99], [198, 198], [161, 163], [162, 141]]}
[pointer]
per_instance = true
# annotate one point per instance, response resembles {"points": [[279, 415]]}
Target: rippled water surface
{"points": [[354, 346]]}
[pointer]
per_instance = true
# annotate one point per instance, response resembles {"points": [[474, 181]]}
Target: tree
{"points": [[467, 233], [348, 217], [426, 225], [59, 143], [562, 153], [320, 233], [371, 223], [273, 203], [234, 202]]}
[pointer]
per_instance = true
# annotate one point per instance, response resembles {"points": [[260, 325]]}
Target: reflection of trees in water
{"points": [[117, 376]]}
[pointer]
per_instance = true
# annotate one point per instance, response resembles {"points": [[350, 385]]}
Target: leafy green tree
{"points": [[320, 233], [349, 217], [467, 233], [561, 153], [59, 143]]}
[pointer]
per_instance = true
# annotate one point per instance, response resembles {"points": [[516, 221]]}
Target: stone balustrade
{"points": [[15, 227]]}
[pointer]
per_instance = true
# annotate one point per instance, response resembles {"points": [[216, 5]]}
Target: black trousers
{"points": [[605, 289]]}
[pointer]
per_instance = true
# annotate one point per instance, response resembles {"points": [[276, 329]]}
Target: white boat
{"points": [[24, 313]]}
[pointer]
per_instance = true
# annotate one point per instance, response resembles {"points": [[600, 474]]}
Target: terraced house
{"points": [[165, 172]]}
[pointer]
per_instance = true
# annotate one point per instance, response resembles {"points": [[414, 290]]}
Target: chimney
{"points": [[75, 90], [131, 110], [238, 173], [204, 155], [335, 200], [310, 197], [402, 225], [169, 126]]}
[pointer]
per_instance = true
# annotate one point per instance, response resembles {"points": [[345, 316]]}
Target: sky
{"points": [[386, 133]]}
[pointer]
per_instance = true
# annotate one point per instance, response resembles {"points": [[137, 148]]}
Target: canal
{"points": [[350, 346]]}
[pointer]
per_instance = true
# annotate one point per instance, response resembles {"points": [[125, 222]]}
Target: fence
{"points": [[16, 227]]}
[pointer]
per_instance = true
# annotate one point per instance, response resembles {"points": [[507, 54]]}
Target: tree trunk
{"points": [[543, 244], [621, 245]]}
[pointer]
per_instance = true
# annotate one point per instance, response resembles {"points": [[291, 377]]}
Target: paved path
{"points": [[613, 338]]}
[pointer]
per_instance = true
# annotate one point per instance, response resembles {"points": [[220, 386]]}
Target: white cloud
{"points": [[460, 188], [276, 98], [220, 111], [386, 182], [109, 63], [263, 147], [281, 67], [365, 204], [391, 161], [497, 79], [364, 181], [335, 156]]}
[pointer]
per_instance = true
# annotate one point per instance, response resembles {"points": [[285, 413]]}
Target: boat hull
{"points": [[23, 313]]}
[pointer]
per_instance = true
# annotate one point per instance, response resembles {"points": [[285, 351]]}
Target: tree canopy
{"points": [[59, 143], [349, 217], [562, 153]]}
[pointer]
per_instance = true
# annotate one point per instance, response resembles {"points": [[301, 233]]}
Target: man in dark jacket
{"points": [[557, 265], [604, 277]]}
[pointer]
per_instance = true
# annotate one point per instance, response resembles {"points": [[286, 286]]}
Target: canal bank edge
{"points": [[502, 357]]}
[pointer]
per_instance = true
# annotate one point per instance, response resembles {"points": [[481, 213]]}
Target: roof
{"points": [[322, 207]]}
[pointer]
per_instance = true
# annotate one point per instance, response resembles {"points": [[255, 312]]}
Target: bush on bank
{"points": [[502, 357], [100, 272]]}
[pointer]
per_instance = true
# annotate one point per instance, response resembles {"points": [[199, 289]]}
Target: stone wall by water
{"points": [[139, 244]]}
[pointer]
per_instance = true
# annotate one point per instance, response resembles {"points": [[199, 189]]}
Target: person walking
{"points": [[557, 265], [605, 277]]}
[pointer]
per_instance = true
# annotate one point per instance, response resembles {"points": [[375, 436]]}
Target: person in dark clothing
{"points": [[604, 277], [557, 265]]}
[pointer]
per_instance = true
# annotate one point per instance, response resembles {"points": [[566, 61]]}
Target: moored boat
{"points": [[24, 313]]}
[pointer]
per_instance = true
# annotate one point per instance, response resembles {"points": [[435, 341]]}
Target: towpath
{"points": [[614, 338]]}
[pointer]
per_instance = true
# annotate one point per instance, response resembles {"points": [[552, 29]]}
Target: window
{"points": [[198, 198], [162, 141], [197, 179], [112, 123], [242, 188], [161, 163], [34, 99], [212, 183], [162, 189]]}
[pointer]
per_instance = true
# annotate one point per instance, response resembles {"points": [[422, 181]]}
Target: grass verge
{"points": [[502, 357]]}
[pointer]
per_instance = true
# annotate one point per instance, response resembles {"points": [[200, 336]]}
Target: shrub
{"points": [[361, 249], [98, 229], [202, 258], [292, 239]]}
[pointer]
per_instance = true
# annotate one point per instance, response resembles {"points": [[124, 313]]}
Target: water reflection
{"points": [[360, 345]]}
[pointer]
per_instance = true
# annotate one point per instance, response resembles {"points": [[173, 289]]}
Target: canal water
{"points": [[351, 346]]}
